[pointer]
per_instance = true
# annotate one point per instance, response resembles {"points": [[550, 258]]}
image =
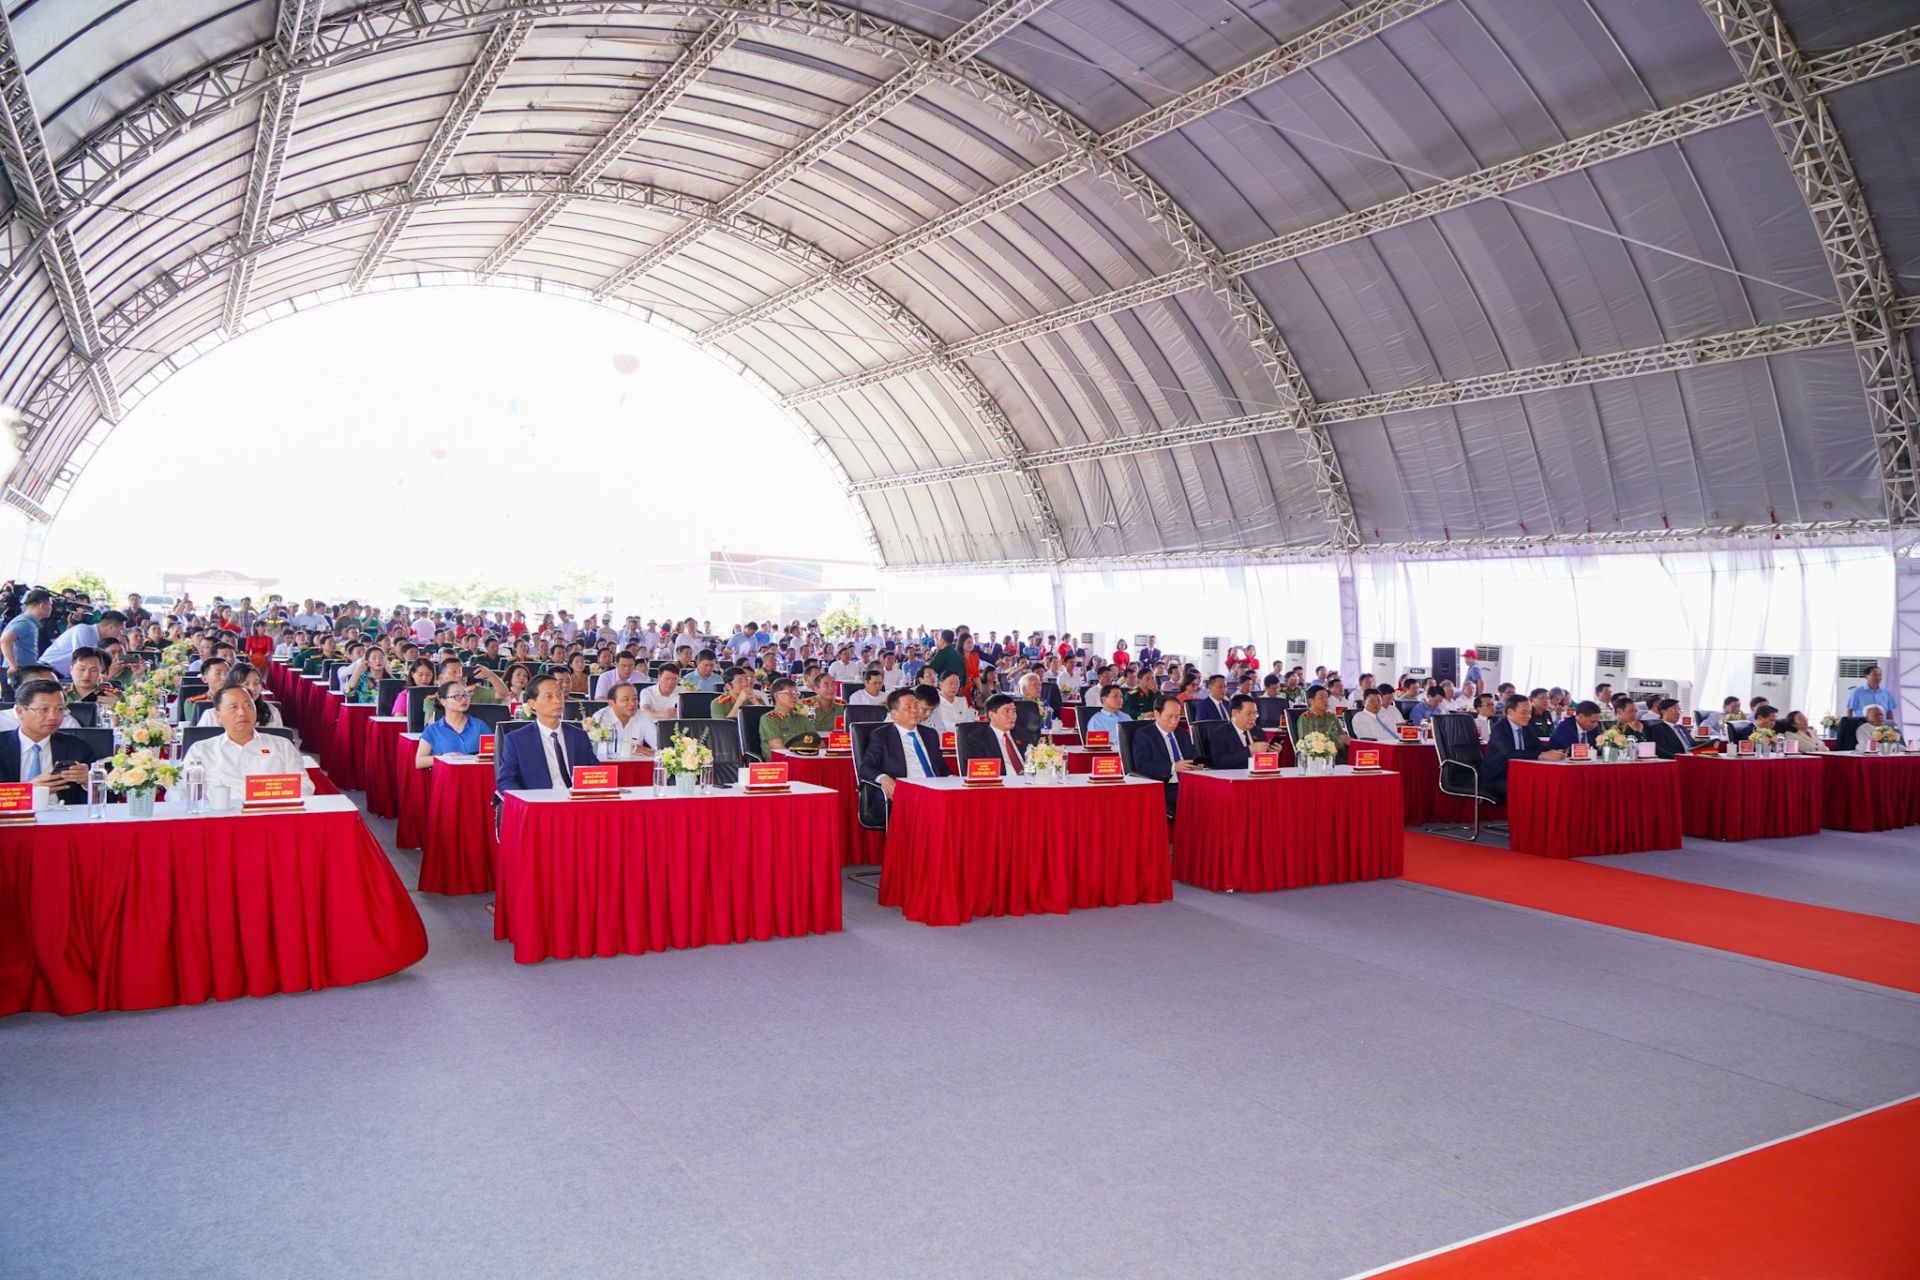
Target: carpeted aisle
{"points": [[1845, 943], [1842, 1200]]}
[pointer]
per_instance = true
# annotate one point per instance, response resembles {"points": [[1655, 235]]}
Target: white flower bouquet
{"points": [[1318, 746], [1886, 737], [1045, 760], [140, 771], [684, 756], [165, 679], [1764, 738], [1829, 722], [149, 733], [597, 733]]}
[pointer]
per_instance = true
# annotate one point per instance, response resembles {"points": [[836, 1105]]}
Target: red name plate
{"points": [[1791, 747], [947, 741], [1107, 769], [765, 777], [1366, 757], [1581, 751], [839, 740], [983, 771], [595, 777], [1099, 739], [839, 723], [1409, 733], [1746, 747], [272, 789], [1264, 762], [1686, 720], [486, 745], [16, 801]]}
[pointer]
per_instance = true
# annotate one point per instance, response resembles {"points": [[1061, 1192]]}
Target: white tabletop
{"points": [[1025, 782], [736, 792], [1295, 774], [1597, 763], [174, 810]]}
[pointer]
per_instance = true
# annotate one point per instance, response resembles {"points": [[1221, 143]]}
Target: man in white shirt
{"points": [[891, 675], [423, 629], [661, 702], [1368, 725], [621, 714], [240, 753], [1389, 715], [624, 672], [22, 676], [873, 693], [83, 635], [1863, 736], [953, 710], [845, 668]]}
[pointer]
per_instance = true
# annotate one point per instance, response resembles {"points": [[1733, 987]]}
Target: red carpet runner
{"points": [[1836, 1201], [1846, 943]]}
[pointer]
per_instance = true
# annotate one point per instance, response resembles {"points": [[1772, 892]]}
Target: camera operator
{"points": [[20, 640]]}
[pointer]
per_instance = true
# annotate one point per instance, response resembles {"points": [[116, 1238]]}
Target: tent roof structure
{"points": [[1051, 281]]}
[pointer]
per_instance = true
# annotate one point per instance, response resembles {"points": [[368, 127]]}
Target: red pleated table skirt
{"points": [[1867, 792], [1743, 798], [1235, 833], [1578, 810]]}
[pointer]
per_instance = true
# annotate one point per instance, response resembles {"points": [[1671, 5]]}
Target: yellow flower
{"points": [[136, 777]]}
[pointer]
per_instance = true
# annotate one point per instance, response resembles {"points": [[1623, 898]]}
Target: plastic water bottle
{"points": [[97, 790], [193, 782]]}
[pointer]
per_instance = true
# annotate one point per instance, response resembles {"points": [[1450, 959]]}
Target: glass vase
{"points": [[684, 783]]}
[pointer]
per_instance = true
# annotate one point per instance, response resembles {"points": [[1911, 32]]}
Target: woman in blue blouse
{"points": [[454, 731]]}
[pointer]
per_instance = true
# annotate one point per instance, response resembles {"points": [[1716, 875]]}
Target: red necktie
{"points": [[1013, 754]]}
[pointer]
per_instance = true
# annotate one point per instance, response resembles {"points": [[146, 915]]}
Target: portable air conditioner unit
{"points": [[1386, 662], [1849, 674], [1095, 643], [1140, 641], [1489, 661], [1296, 653], [1772, 680], [1609, 667], [1213, 655], [1640, 688]]}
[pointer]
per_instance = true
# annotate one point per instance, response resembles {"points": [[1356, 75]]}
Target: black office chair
{"points": [[721, 736], [1457, 743], [1273, 712], [850, 687], [201, 732], [749, 718], [85, 714], [1294, 712], [695, 705], [491, 714], [1844, 732], [1026, 719], [1207, 735], [873, 801], [99, 741], [389, 690], [976, 742], [422, 709], [863, 715], [1128, 728]]}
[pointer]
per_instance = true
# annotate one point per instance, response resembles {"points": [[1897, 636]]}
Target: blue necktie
{"points": [[33, 764], [1173, 746], [913, 736]]}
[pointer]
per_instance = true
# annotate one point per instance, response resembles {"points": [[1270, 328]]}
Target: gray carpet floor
{"points": [[1876, 872], [1303, 1084]]}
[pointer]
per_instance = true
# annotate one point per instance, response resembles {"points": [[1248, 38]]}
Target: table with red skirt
{"points": [[137, 913], [1748, 798], [1870, 791], [1579, 809], [837, 773], [411, 784], [651, 873], [458, 845], [379, 777], [347, 747], [1236, 832], [955, 852], [1418, 766]]}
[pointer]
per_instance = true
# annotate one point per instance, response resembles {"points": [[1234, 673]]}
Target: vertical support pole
{"points": [[1059, 598], [1903, 668], [1350, 667]]}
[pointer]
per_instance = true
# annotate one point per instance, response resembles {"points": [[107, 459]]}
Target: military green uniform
{"points": [[723, 706], [1330, 724], [823, 717], [949, 662], [1139, 705], [788, 728]]}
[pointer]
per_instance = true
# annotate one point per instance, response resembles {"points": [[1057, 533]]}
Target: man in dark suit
{"points": [[1215, 705], [1669, 737], [1512, 738], [38, 751], [890, 753], [1163, 749], [1231, 745], [1582, 726], [544, 754]]}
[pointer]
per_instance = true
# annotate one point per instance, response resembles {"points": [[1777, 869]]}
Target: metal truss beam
{"points": [[1657, 128], [1358, 24], [295, 30], [1772, 64], [693, 61], [1691, 353], [496, 55], [43, 207]]}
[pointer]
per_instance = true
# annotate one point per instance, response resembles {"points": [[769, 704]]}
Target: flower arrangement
{"points": [[1318, 746], [1044, 759], [129, 771], [136, 703], [164, 679], [597, 732], [149, 733], [1765, 738], [684, 756], [522, 710], [1886, 735], [1612, 740], [1829, 722]]}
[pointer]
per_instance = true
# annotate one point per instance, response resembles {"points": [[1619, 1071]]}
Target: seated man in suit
{"points": [[543, 755], [1215, 705], [242, 751], [1582, 726], [1163, 749], [901, 748], [1764, 717], [38, 751], [1010, 739], [1512, 738], [1670, 738], [1232, 749], [1872, 718]]}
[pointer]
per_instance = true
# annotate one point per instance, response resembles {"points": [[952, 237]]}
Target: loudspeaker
{"points": [[1446, 666]]}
